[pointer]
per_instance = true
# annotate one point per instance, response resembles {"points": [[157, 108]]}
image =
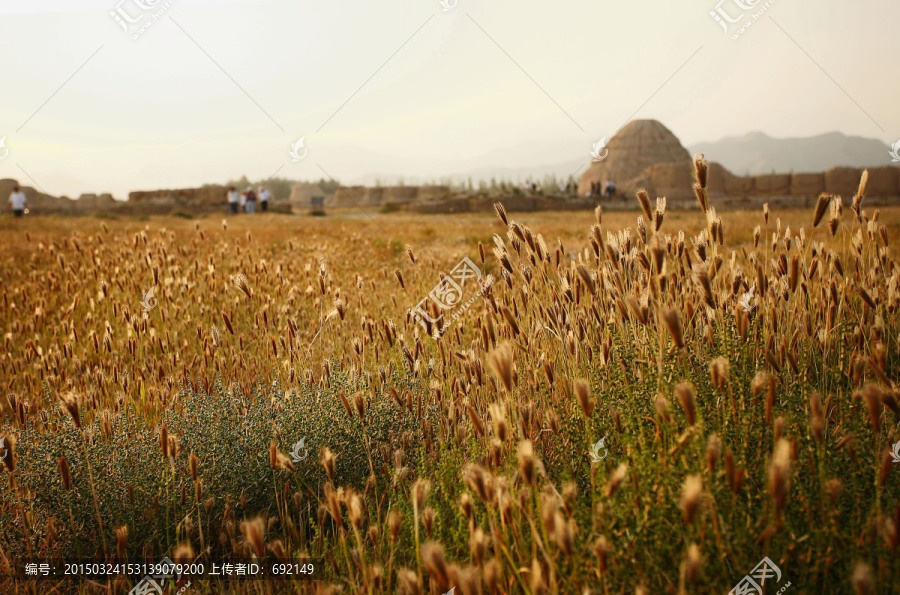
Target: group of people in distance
{"points": [[238, 201], [606, 189], [246, 200]]}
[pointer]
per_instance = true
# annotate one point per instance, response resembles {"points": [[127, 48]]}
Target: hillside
{"points": [[758, 153]]}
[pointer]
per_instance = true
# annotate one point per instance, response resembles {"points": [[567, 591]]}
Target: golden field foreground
{"points": [[742, 377]]}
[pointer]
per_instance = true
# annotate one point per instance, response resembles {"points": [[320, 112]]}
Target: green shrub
{"points": [[228, 431]]}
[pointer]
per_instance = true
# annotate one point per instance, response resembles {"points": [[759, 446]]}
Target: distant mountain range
{"points": [[752, 154], [758, 153]]}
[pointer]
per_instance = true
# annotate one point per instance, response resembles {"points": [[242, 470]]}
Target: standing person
{"points": [[243, 201], [17, 199], [251, 201], [233, 198], [264, 196]]}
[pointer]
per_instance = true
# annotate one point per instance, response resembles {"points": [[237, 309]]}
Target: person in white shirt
{"points": [[243, 202], [264, 196], [233, 198], [17, 199]]}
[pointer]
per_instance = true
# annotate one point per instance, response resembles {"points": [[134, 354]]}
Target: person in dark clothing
{"points": [[251, 201]]}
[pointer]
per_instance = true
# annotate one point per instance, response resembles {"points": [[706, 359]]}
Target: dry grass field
{"points": [[742, 376]]}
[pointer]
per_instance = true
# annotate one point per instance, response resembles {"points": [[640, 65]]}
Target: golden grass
{"points": [[471, 465]]}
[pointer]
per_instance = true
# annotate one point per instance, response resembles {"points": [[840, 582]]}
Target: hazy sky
{"points": [[216, 89]]}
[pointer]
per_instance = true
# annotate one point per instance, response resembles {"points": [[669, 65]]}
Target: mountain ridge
{"points": [[757, 153]]}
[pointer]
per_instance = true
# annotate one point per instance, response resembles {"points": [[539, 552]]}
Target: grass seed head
{"points": [[122, 541], [701, 170], [691, 497], [564, 535], [183, 554], [529, 466], [240, 281], [672, 321], [498, 418], [887, 463], [478, 545], [501, 212], [685, 394], [395, 518], [328, 462], [720, 371], [615, 479], [502, 365], [644, 200], [713, 450], [480, 481], [693, 564], [817, 417], [65, 473], [356, 510], [408, 582], [821, 208], [780, 473], [466, 506], [277, 548], [582, 392], [759, 383], [872, 396], [601, 551], [862, 581], [419, 493], [9, 460], [435, 563], [254, 532], [71, 406], [359, 403], [164, 441]]}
